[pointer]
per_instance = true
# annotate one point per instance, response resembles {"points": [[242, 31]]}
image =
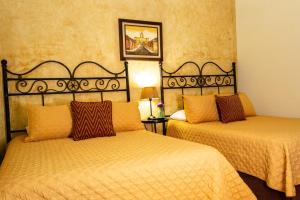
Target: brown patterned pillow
{"points": [[230, 108], [91, 119]]}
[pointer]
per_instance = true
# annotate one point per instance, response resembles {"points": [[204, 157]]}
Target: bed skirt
{"points": [[262, 191]]}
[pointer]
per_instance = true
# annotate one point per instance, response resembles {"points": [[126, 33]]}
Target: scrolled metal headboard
{"points": [[21, 84], [199, 79]]}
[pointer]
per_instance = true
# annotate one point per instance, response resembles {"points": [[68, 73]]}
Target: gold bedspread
{"points": [[132, 165], [265, 147]]}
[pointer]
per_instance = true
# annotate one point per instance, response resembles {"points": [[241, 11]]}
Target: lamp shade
{"points": [[149, 93]]}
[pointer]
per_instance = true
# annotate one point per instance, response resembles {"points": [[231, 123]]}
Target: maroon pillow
{"points": [[230, 108], [91, 119]]}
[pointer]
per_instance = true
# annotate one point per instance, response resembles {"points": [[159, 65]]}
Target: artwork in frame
{"points": [[140, 40]]}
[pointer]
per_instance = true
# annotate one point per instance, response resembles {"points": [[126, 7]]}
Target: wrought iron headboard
{"points": [[201, 80], [19, 84]]}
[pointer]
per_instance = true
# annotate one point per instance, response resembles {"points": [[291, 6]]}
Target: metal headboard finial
{"points": [[162, 99], [127, 80], [6, 100], [234, 77]]}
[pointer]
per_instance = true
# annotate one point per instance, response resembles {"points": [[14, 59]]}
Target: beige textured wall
{"points": [[268, 55], [74, 30]]}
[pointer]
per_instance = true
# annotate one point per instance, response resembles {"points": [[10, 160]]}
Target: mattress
{"points": [[131, 165], [265, 147]]}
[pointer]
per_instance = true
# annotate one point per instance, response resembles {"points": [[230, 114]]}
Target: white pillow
{"points": [[179, 115]]}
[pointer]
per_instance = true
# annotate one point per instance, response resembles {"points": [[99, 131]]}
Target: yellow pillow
{"points": [[200, 108], [126, 116], [247, 105], [48, 122]]}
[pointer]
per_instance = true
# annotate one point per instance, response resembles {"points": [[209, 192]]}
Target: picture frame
{"points": [[140, 40]]}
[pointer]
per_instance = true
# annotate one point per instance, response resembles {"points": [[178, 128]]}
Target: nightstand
{"points": [[156, 121]]}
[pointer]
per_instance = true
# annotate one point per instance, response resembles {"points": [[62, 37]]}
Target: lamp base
{"points": [[151, 117]]}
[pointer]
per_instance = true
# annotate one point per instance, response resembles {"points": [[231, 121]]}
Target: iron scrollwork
{"points": [[218, 81], [25, 87], [107, 84], [182, 82], [199, 79], [34, 86], [70, 84]]}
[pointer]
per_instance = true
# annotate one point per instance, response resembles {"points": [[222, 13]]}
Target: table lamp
{"points": [[149, 93]]}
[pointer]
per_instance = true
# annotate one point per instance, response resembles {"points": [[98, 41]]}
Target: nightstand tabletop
{"points": [[157, 121]]}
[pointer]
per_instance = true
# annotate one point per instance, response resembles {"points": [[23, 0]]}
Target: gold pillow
{"points": [[247, 105], [126, 116], [200, 108], [48, 122]]}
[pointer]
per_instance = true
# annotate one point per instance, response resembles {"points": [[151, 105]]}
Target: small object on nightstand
{"points": [[155, 121], [161, 112], [149, 93]]}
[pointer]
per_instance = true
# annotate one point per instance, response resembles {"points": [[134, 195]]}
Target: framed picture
{"points": [[140, 40]]}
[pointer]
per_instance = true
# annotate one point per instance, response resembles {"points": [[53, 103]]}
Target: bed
{"points": [[130, 165], [264, 147]]}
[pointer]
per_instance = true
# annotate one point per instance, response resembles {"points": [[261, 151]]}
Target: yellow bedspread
{"points": [[132, 165], [264, 147]]}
